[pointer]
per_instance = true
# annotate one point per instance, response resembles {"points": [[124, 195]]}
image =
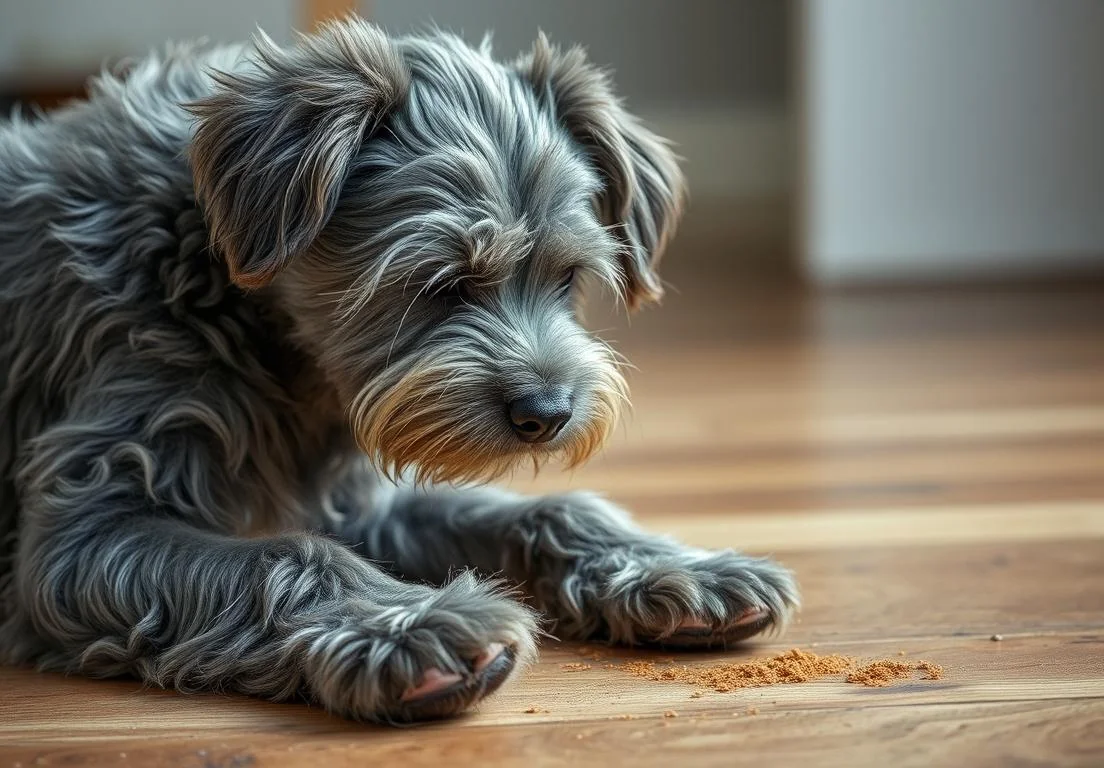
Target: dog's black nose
{"points": [[539, 417]]}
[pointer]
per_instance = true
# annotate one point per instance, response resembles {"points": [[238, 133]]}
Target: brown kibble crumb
{"points": [[670, 713], [697, 694], [794, 666], [753, 710], [575, 666], [532, 710], [879, 674], [901, 653], [934, 671], [624, 717], [997, 638]]}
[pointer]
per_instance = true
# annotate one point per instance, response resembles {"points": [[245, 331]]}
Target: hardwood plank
{"points": [[947, 465], [886, 526], [997, 734], [978, 589], [977, 670], [670, 423]]}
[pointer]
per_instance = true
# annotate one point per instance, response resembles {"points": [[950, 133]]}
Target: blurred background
{"points": [[868, 143]]}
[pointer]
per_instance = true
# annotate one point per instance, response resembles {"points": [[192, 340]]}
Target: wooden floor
{"points": [[930, 463]]}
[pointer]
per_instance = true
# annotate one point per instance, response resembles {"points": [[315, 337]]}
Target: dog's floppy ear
{"points": [[273, 143], [644, 188]]}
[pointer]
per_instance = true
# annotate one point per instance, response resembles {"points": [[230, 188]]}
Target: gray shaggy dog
{"points": [[271, 315]]}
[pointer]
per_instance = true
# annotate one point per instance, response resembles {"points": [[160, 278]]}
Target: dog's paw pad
{"points": [[433, 681], [752, 615], [694, 633], [443, 694], [492, 652]]}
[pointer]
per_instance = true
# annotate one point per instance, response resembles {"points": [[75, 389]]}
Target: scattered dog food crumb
{"points": [[794, 666], [879, 674], [753, 710], [934, 671], [997, 638], [575, 666], [670, 713], [901, 653], [578, 736], [625, 717]]}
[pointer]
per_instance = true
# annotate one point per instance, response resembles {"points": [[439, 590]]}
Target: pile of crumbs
{"points": [[794, 666], [575, 666], [879, 674]]}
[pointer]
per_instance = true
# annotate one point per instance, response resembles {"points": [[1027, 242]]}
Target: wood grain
{"points": [[986, 734], [930, 463]]}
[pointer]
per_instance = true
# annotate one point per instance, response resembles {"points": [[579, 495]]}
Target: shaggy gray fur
{"points": [[258, 302]]}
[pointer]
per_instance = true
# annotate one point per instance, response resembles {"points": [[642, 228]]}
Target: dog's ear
{"points": [[273, 143], [643, 187]]}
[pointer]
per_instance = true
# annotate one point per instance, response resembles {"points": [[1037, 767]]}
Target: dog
{"points": [[274, 318]]}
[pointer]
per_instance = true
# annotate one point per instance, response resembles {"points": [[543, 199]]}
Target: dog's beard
{"points": [[438, 419]]}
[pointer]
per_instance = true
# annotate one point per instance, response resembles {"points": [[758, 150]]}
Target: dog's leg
{"points": [[583, 561], [118, 573]]}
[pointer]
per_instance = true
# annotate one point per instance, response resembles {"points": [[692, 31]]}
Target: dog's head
{"points": [[427, 216]]}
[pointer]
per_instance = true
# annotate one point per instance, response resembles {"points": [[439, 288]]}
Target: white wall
{"points": [[948, 138]]}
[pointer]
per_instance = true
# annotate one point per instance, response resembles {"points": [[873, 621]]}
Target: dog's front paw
{"points": [[431, 653], [676, 596]]}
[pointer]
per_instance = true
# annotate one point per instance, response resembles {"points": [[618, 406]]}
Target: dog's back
{"points": [[91, 197]]}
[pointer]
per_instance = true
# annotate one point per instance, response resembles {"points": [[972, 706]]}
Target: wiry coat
{"points": [[238, 286]]}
